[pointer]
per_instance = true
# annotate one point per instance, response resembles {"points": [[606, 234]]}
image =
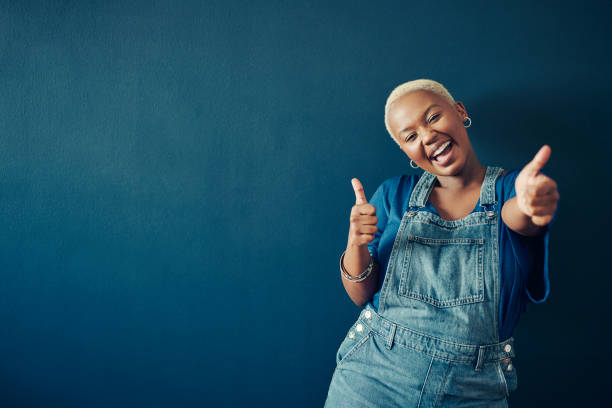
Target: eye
{"points": [[433, 117], [410, 137]]}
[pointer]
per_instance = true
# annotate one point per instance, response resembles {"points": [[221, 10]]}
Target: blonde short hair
{"points": [[415, 85]]}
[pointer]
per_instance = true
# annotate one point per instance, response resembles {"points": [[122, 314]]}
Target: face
{"points": [[431, 133]]}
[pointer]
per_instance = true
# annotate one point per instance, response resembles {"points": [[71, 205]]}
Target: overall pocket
{"points": [[508, 375], [443, 272], [357, 336]]}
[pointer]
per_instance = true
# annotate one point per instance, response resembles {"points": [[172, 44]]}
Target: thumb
{"points": [[539, 160], [360, 197]]}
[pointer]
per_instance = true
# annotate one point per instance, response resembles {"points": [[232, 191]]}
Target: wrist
{"points": [[356, 278]]}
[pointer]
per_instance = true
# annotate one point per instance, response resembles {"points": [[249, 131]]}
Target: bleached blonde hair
{"points": [[411, 86]]}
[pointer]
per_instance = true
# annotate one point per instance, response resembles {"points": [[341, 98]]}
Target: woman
{"points": [[444, 263]]}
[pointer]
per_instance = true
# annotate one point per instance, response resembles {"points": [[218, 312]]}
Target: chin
{"points": [[453, 169]]}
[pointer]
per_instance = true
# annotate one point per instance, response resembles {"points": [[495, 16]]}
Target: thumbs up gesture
{"points": [[363, 218], [537, 194]]}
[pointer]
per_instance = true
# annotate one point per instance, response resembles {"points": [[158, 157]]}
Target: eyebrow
{"points": [[424, 114]]}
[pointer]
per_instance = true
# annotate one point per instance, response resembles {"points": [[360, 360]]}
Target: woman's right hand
{"points": [[362, 220]]}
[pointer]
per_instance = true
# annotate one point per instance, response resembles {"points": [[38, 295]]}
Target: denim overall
{"points": [[434, 341]]}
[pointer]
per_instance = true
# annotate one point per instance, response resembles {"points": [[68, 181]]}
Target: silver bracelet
{"points": [[359, 278]]}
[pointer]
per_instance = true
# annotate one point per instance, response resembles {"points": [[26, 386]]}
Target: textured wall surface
{"points": [[175, 187]]}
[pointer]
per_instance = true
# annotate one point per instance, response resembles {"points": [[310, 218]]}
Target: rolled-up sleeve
{"points": [[379, 200], [532, 254]]}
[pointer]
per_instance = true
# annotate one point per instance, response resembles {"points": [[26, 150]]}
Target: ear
{"points": [[460, 109]]}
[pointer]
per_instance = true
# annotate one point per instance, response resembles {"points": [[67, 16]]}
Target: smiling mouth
{"points": [[442, 151]]}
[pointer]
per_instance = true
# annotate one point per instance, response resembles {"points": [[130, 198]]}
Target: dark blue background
{"points": [[176, 187]]}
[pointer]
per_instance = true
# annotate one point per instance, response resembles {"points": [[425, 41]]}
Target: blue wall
{"points": [[175, 187]]}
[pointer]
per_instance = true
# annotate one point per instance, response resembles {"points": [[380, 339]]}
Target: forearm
{"points": [[518, 221], [356, 260]]}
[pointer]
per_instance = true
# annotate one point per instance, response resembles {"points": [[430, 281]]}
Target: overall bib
{"points": [[434, 341]]}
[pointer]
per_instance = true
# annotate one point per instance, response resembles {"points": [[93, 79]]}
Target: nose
{"points": [[429, 136]]}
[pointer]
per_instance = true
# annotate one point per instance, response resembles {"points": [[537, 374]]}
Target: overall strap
{"points": [[423, 188], [421, 191], [487, 191]]}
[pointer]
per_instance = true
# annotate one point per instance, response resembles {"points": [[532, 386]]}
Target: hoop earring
{"points": [[469, 122], [413, 165]]}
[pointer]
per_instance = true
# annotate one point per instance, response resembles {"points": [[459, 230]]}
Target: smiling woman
{"points": [[433, 137], [444, 263]]}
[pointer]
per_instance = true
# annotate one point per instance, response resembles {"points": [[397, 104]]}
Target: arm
{"points": [[518, 221], [356, 260], [363, 231]]}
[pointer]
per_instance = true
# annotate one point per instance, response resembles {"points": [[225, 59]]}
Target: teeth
{"points": [[440, 149]]}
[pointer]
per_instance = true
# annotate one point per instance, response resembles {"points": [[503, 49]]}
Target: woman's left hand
{"points": [[536, 193]]}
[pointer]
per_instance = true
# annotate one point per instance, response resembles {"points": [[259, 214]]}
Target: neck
{"points": [[472, 173]]}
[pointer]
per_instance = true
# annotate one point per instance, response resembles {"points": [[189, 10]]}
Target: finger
{"points": [[542, 221], [369, 219], [357, 220], [365, 239], [360, 239], [543, 184], [360, 197], [363, 209], [536, 205], [365, 219], [542, 201], [544, 210], [366, 229], [539, 160]]}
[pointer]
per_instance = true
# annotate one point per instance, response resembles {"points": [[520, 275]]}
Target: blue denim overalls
{"points": [[434, 341]]}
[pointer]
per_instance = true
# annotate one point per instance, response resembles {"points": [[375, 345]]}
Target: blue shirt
{"points": [[523, 261]]}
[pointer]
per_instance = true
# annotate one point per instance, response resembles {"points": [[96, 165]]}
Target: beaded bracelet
{"points": [[359, 278]]}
